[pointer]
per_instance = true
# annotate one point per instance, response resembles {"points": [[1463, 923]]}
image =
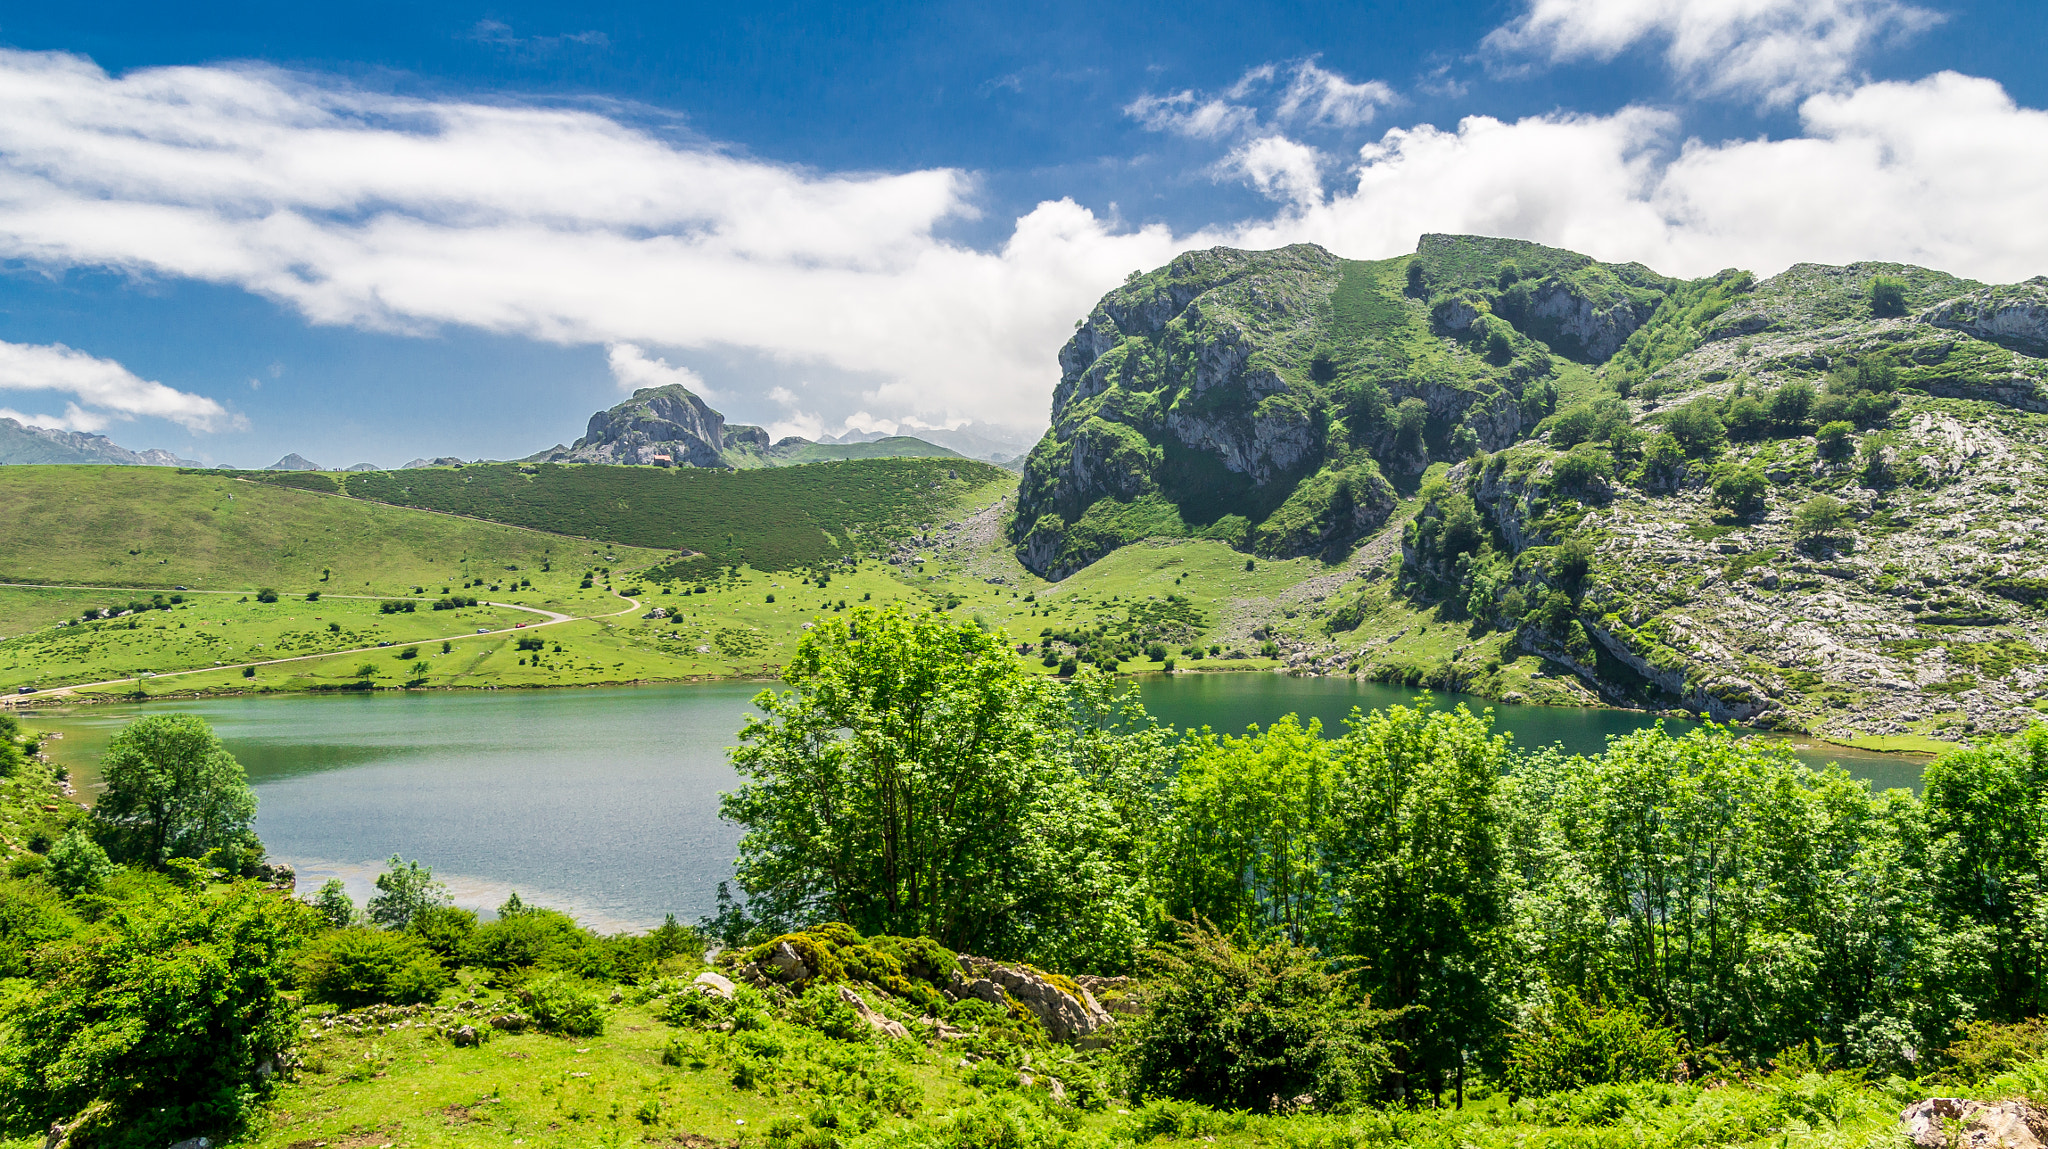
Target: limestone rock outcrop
{"points": [[1066, 1013]]}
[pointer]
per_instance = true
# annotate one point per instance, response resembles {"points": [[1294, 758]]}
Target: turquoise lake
{"points": [[605, 802]]}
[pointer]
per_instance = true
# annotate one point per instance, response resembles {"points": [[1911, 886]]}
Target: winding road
{"points": [[11, 701]]}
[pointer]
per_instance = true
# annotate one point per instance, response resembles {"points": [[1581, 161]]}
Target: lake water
{"points": [[605, 802]]}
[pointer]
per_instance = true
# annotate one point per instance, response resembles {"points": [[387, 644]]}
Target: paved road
{"points": [[553, 617]]}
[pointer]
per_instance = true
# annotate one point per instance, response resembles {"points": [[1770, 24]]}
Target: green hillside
{"points": [[158, 528], [893, 447], [776, 519]]}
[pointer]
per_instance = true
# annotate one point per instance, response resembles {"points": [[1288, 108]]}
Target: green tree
{"points": [[403, 892], [1837, 439], [915, 780], [1417, 863], [1887, 295], [1582, 469], [1791, 404], [1820, 517], [1987, 820], [1411, 418], [1874, 466], [78, 865], [173, 791], [336, 908], [1697, 427], [172, 1010], [1741, 489]]}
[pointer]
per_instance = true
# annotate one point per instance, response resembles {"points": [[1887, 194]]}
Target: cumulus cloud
{"points": [[1281, 169], [1942, 172], [1773, 50], [408, 214], [100, 391], [633, 369]]}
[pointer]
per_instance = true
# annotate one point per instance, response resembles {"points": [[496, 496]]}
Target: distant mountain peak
{"points": [[26, 444], [295, 462]]}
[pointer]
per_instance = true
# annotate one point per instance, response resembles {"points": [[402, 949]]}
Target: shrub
{"points": [[821, 1008], [335, 907], [1791, 404], [266, 595], [404, 890], [77, 863], [1238, 1029], [1582, 467], [1836, 440], [1988, 1048], [359, 966], [1741, 490], [534, 937], [565, 1004], [1887, 295], [313, 596], [171, 1011], [410, 652], [444, 929], [1820, 517], [531, 642], [1570, 1045], [1697, 428]]}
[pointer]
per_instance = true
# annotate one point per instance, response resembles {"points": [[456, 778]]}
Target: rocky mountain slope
{"points": [[1279, 400], [23, 444], [672, 426], [1813, 502]]}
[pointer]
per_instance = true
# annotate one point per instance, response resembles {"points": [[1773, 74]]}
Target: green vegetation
{"points": [[1408, 932], [772, 520]]}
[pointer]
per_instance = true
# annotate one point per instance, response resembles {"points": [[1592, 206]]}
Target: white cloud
{"points": [[1321, 97], [1774, 50], [1182, 113], [633, 369], [101, 391], [407, 214], [1281, 169], [1944, 172]]}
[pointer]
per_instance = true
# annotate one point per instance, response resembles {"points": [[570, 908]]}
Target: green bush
{"points": [[1570, 1045], [565, 1004], [541, 938], [444, 929], [77, 863], [31, 915], [360, 966], [1887, 295], [1741, 489], [171, 1011], [1238, 1028]]}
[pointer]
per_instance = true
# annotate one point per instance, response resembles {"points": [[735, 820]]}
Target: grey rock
{"points": [[2003, 1125], [788, 964], [887, 1026], [467, 1036], [717, 985], [1065, 1016]]}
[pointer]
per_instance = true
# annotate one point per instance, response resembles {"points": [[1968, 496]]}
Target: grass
{"points": [[156, 528], [771, 519], [1895, 743]]}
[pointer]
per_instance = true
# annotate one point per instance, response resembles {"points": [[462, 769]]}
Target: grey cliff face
{"points": [[658, 424]]}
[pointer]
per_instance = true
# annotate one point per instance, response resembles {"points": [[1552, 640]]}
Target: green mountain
{"points": [[1813, 501], [1279, 400]]}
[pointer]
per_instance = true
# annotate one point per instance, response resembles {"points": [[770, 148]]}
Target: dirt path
{"points": [[553, 618]]}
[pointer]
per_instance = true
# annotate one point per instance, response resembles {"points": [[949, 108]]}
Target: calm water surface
{"points": [[605, 802]]}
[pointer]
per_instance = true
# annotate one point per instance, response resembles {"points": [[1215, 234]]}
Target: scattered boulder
{"points": [[882, 1024], [511, 1022], [467, 1037], [1999, 1125], [1067, 1010], [787, 963], [717, 985]]}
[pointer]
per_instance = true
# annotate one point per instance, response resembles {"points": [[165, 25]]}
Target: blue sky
{"points": [[367, 232]]}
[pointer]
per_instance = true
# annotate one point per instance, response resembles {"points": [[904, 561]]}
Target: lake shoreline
{"points": [[25, 704]]}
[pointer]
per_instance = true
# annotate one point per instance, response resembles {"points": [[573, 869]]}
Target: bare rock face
{"points": [[1066, 1017], [2015, 315], [2001, 1125]]}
